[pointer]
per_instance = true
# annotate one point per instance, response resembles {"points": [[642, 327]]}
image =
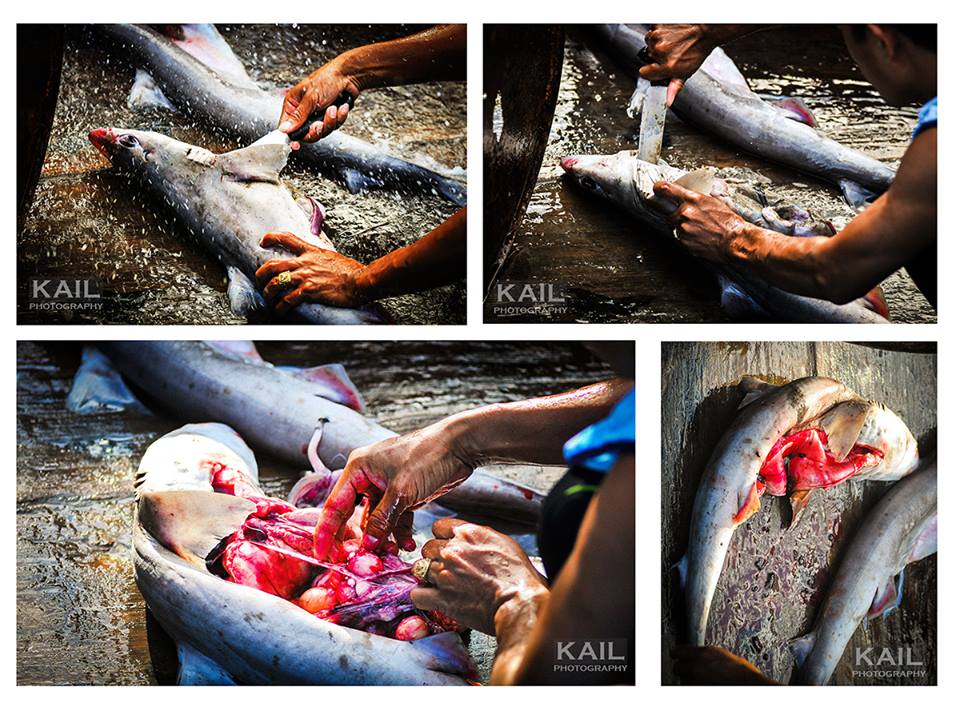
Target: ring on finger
{"points": [[284, 278], [421, 570]]}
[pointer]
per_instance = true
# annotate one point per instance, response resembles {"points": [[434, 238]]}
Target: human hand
{"points": [[705, 226], [397, 475], [475, 573], [318, 91], [676, 52], [316, 274]]}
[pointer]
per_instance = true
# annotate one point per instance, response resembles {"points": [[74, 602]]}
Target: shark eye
{"points": [[588, 183], [128, 141]]}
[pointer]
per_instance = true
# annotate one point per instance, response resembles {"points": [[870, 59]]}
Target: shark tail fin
{"points": [[98, 386]]}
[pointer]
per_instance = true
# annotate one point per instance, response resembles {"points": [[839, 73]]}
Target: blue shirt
{"points": [[598, 446], [927, 116]]}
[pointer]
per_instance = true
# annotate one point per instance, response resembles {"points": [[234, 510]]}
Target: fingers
{"points": [[432, 548], [296, 108], [271, 269], [333, 118], [404, 532], [287, 241], [291, 299], [672, 90], [426, 598], [383, 518], [335, 513], [445, 527]]}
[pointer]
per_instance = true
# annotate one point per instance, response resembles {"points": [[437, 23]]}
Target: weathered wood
{"points": [[774, 578]]}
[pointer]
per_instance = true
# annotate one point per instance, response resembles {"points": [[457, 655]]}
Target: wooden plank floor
{"points": [[774, 577]]}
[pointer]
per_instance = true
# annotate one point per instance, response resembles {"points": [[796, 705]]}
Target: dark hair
{"points": [[924, 36]]}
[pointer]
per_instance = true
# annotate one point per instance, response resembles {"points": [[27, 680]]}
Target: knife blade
{"points": [[278, 137], [652, 117]]}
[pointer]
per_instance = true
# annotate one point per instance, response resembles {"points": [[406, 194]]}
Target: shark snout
{"points": [[568, 163], [103, 139]]}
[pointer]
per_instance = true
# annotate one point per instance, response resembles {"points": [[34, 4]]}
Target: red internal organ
{"points": [[803, 461], [273, 552]]}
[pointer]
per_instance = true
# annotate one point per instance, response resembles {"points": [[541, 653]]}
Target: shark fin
{"points": [[795, 109], [635, 106], [98, 387], [801, 647], [255, 163], [681, 568], [243, 349], [700, 180], [445, 653], [191, 523], [926, 542], [888, 597], [856, 195], [244, 297], [798, 503], [750, 504], [145, 94], [315, 212], [312, 489], [842, 424], [330, 382], [197, 669], [736, 302], [753, 388]]}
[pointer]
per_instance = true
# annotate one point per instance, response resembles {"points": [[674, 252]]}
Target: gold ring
{"points": [[420, 570], [284, 278]]}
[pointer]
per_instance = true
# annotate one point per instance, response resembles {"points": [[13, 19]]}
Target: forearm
{"points": [[436, 54], [436, 259], [530, 431], [515, 622]]}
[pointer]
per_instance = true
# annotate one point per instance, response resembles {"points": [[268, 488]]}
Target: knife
{"points": [[278, 137], [652, 117]]}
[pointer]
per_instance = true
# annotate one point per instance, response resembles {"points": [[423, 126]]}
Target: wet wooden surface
{"points": [[80, 617], [774, 578]]}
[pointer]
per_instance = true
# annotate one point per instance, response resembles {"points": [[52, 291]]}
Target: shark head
{"points": [[139, 151], [625, 181]]}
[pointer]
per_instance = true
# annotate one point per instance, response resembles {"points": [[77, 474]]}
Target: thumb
{"points": [[296, 108], [287, 241], [383, 519], [672, 90], [672, 190]]}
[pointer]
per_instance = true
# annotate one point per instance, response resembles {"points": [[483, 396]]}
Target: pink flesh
{"points": [[273, 552], [803, 461]]}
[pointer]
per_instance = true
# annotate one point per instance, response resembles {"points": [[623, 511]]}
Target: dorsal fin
{"points": [[700, 180], [255, 163], [843, 423]]}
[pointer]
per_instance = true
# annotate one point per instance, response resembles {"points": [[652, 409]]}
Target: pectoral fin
{"points": [[197, 669], [798, 503], [888, 597], [753, 388], [331, 382], [843, 424], [245, 299], [801, 647], [445, 653], [192, 523]]}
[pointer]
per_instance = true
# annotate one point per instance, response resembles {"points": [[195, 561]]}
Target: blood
{"points": [[803, 461], [273, 552]]}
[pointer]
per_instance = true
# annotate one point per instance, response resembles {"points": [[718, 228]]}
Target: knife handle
{"points": [[645, 59], [344, 98]]}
